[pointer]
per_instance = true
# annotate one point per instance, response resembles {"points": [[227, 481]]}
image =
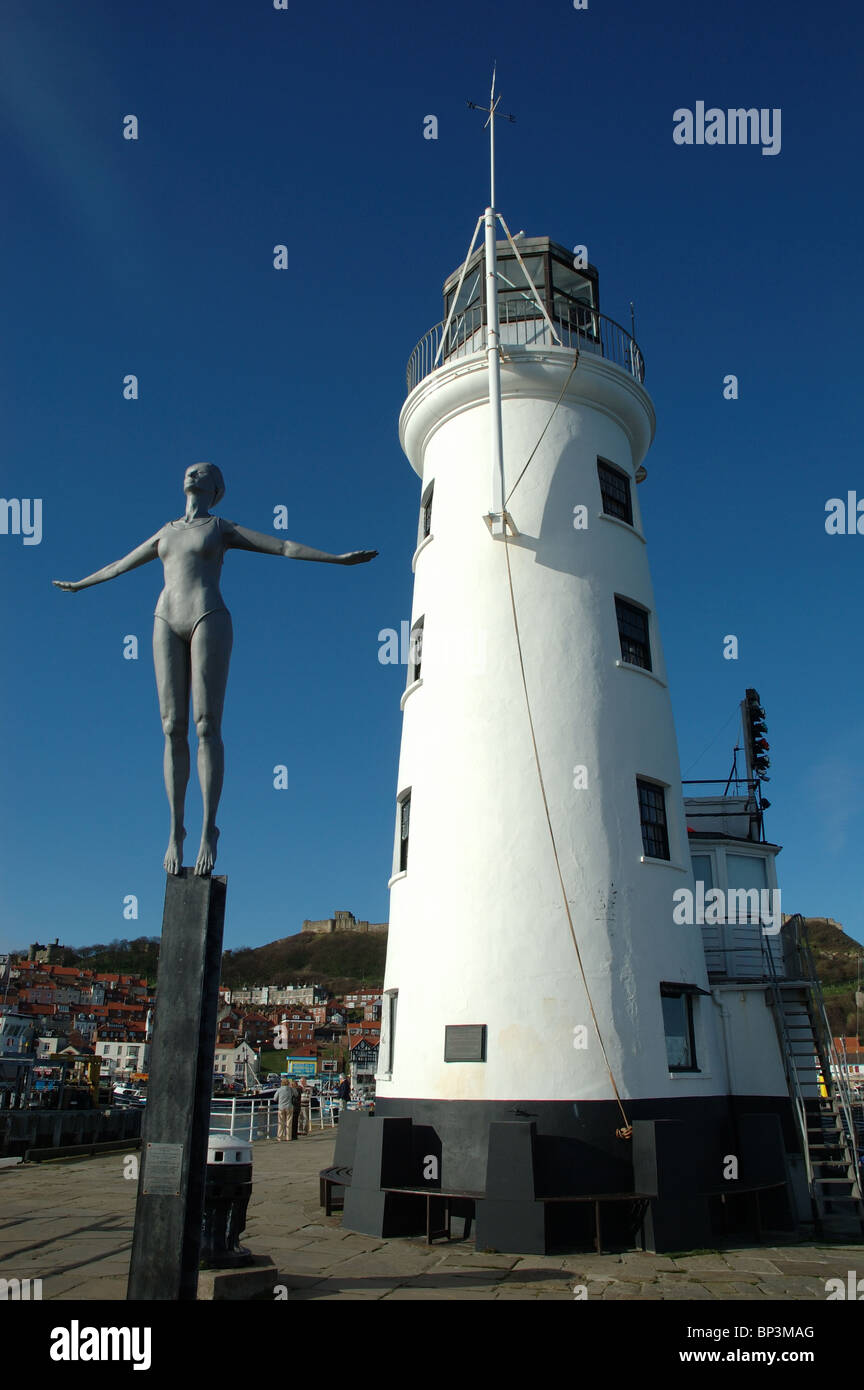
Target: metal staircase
{"points": [[818, 1088]]}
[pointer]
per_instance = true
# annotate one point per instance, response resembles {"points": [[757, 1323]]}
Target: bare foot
{"points": [[173, 861], [207, 853]]}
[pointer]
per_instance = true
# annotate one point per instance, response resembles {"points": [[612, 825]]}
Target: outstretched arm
{"points": [[240, 538], [140, 556]]}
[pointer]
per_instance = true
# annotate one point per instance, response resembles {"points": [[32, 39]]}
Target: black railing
{"points": [[578, 327]]}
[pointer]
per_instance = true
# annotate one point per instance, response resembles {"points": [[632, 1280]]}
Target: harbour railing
{"points": [[244, 1117]]}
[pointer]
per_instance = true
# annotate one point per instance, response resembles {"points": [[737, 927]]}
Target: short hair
{"points": [[216, 473]]}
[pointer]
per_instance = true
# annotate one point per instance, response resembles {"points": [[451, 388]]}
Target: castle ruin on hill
{"points": [[342, 921]]}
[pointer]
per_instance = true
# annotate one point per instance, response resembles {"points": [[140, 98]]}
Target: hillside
{"points": [[836, 956], [345, 961], [341, 962]]}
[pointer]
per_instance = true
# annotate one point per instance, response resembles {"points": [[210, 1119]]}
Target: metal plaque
{"points": [[465, 1042], [163, 1164]]}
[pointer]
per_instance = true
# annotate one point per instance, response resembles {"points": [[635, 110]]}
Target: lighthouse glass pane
{"points": [[515, 297], [470, 292], [633, 632], [678, 1027], [573, 284]]}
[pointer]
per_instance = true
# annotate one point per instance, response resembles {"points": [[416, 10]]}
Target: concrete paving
{"points": [[69, 1223]]}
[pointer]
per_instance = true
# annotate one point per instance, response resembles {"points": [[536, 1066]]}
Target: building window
{"points": [[703, 871], [678, 1027], [615, 492], [415, 652], [747, 880], [652, 814], [633, 632], [402, 832], [426, 513]]}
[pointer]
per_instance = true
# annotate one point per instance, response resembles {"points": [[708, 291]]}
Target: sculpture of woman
{"points": [[192, 638]]}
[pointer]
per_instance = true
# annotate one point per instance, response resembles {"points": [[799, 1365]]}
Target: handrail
{"points": [[834, 1078], [579, 327], [836, 1083], [791, 1070], [247, 1117]]}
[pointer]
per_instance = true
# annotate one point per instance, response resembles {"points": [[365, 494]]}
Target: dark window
{"points": [[615, 492], [393, 999], [404, 817], [678, 1027], [465, 1042], [633, 632], [426, 515], [415, 652], [652, 814]]}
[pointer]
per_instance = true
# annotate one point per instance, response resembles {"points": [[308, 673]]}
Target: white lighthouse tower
{"points": [[547, 1034]]}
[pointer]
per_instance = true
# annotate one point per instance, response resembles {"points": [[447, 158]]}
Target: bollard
{"points": [[227, 1189]]}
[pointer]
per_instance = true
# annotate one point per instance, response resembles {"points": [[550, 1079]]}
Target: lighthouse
{"points": [[548, 1033]]}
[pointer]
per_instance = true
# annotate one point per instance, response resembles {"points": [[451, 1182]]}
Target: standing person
{"points": [[296, 1102], [343, 1094], [284, 1103], [305, 1102]]}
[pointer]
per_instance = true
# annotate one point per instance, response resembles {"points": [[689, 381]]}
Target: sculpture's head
{"points": [[203, 477]]}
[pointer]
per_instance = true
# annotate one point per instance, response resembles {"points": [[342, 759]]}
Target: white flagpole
{"points": [[493, 358]]}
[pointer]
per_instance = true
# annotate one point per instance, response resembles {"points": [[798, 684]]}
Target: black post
{"points": [[169, 1212]]}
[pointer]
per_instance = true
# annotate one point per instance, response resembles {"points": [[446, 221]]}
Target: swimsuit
{"points": [[192, 557]]}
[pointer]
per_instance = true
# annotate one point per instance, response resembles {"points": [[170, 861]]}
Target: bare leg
{"points": [[171, 658], [211, 653]]}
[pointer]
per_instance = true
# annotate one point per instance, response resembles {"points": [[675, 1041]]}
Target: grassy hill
{"points": [[341, 962], [345, 961], [836, 956]]}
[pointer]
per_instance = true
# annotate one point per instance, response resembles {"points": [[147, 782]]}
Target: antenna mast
{"points": [[497, 518]]}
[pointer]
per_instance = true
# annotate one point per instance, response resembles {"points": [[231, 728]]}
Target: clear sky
{"points": [[154, 256]]}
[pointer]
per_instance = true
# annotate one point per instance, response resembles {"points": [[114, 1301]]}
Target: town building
{"points": [[363, 1060], [236, 1063], [294, 1029]]}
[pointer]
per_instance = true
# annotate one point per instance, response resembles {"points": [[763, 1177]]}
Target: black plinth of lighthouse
{"points": [[532, 1168], [169, 1212]]}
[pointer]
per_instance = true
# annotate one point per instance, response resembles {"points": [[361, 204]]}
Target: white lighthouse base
{"points": [[531, 1174]]}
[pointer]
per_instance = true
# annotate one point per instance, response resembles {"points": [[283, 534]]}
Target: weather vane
{"points": [[491, 111]]}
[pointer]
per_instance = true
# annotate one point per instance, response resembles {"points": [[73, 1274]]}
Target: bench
{"points": [[598, 1198], [437, 1228], [329, 1178], [433, 1194]]}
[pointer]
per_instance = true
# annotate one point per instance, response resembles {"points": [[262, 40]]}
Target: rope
{"points": [[626, 1131], [545, 428]]}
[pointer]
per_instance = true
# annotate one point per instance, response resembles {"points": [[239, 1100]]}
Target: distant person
{"points": [[305, 1103], [296, 1103], [285, 1103], [343, 1094]]}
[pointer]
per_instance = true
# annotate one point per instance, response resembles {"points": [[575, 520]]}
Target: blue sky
{"points": [[260, 127]]}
